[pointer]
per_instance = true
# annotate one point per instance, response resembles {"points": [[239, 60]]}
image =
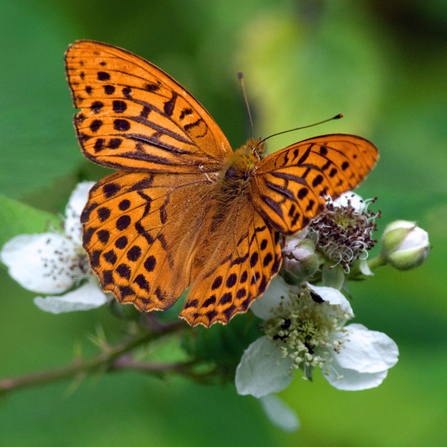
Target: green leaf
{"points": [[223, 344], [17, 218]]}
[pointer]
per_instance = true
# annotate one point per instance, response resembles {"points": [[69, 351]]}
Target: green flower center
{"points": [[302, 326]]}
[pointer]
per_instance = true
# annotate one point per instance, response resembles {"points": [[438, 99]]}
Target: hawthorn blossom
{"points": [[53, 263], [305, 328]]}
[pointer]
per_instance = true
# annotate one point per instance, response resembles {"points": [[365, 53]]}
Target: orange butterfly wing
{"points": [[291, 185], [140, 234], [136, 117], [236, 259]]}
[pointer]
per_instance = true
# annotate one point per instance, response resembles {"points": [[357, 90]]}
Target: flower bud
{"points": [[300, 260], [404, 244]]}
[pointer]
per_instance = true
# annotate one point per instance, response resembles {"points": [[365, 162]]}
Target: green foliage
{"points": [[223, 345], [17, 218]]}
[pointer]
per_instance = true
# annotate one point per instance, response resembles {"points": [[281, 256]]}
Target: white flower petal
{"points": [[279, 413], [88, 296], [334, 297], [272, 297], [40, 262], [353, 380], [367, 351], [261, 370], [73, 211], [418, 238], [355, 199]]}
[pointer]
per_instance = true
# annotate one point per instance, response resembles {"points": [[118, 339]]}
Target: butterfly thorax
{"points": [[235, 177]]}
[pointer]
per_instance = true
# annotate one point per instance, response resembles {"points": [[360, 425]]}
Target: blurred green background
{"points": [[383, 64]]}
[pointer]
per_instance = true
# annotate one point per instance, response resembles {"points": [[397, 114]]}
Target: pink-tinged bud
{"points": [[300, 259]]}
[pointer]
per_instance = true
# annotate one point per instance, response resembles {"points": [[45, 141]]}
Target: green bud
{"points": [[405, 245], [333, 276]]}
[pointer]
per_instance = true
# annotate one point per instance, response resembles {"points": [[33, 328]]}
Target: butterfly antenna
{"points": [[241, 80], [340, 115]]}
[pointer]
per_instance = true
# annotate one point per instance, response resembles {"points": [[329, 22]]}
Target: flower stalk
{"points": [[113, 358]]}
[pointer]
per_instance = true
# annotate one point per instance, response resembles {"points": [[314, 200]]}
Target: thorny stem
{"points": [[112, 358], [159, 369]]}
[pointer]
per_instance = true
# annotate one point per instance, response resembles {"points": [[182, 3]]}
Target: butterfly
{"points": [[183, 210]]}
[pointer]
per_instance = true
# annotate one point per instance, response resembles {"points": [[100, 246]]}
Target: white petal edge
{"points": [[73, 211], [88, 296], [418, 238], [261, 370], [271, 299], [279, 413], [356, 201], [367, 351], [25, 257], [334, 297], [353, 380]]}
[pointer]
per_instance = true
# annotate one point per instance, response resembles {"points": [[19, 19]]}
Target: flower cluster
{"points": [[343, 233], [305, 326]]}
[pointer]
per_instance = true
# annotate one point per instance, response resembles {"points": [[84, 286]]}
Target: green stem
{"points": [[373, 263], [377, 261], [79, 368], [160, 369]]}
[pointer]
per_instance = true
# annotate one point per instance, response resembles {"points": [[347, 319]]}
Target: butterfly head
{"points": [[255, 147], [235, 177]]}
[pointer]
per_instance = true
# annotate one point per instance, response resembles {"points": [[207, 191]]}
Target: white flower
{"points": [[405, 245], [305, 328], [54, 262]]}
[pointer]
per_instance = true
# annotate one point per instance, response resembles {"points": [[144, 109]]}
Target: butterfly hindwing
{"points": [[140, 234], [136, 117], [290, 186], [233, 268]]}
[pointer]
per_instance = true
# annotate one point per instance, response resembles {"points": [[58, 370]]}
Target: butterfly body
{"points": [[236, 175], [183, 210]]}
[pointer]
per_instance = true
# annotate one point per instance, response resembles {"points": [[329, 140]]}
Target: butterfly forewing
{"points": [[290, 186], [136, 117]]}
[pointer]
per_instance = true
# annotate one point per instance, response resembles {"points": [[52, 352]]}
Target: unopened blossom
{"points": [[304, 329], [55, 262], [300, 262], [405, 245]]}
